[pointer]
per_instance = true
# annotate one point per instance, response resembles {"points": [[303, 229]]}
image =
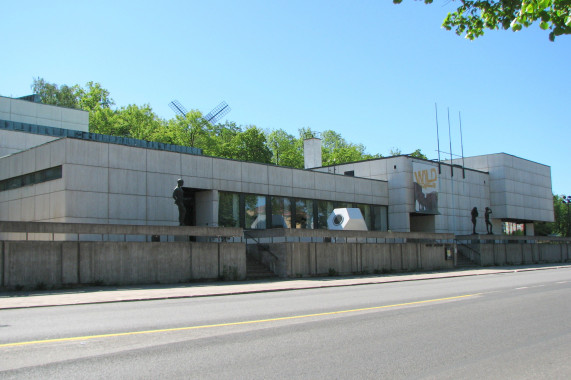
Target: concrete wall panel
{"points": [[550, 253], [527, 253], [128, 207], [278, 176], [124, 157], [204, 262], [499, 254], [122, 181], [514, 254], [396, 257], [87, 153], [410, 256], [86, 178], [196, 166], [254, 173], [233, 259], [159, 161], [375, 257], [227, 170], [32, 264], [70, 262]]}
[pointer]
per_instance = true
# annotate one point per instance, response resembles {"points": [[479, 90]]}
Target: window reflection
{"points": [[255, 211], [229, 209], [304, 213], [281, 212], [324, 209]]}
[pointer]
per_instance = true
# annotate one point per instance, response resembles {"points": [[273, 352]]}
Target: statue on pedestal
{"points": [[488, 223], [178, 196], [474, 216]]}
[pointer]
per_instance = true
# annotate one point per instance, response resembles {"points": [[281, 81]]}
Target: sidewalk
{"points": [[91, 295]]}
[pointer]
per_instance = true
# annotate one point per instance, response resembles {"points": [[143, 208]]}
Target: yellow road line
{"points": [[71, 339]]}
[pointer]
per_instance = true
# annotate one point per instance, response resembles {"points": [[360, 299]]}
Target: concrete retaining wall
{"points": [[52, 264], [315, 259], [521, 254]]}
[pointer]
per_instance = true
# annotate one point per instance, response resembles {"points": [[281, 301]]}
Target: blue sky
{"points": [[370, 70]]}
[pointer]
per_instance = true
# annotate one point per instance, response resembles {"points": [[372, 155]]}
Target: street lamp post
{"points": [[567, 201]]}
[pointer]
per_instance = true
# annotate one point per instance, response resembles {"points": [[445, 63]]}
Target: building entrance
{"points": [[422, 223]]}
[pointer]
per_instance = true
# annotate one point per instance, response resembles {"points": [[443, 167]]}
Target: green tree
{"points": [[92, 98], [473, 17], [561, 213], [51, 93], [250, 145], [221, 140], [395, 151], [217, 141], [189, 130], [286, 149], [103, 121], [307, 133], [336, 150], [136, 122], [418, 154], [561, 225]]}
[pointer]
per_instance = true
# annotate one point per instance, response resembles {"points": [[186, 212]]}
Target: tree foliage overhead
{"points": [[473, 17], [562, 224], [226, 140]]}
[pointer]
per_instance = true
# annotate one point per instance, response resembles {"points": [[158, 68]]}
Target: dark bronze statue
{"points": [[178, 196], [474, 216], [488, 223]]}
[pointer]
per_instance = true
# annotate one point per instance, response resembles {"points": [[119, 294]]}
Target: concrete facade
{"points": [[514, 188], [116, 184], [26, 112], [519, 188], [104, 180]]}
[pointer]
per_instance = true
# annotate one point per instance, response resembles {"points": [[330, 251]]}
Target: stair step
{"points": [[464, 262], [256, 270]]}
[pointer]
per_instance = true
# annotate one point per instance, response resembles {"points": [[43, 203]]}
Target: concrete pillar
{"points": [[206, 203]]}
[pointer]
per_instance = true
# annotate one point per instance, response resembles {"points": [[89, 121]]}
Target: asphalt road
{"points": [[515, 325]]}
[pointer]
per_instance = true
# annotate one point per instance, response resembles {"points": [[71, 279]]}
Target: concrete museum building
{"points": [[53, 170]]}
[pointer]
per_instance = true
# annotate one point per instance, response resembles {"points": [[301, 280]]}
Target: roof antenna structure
{"points": [[217, 113], [212, 117]]}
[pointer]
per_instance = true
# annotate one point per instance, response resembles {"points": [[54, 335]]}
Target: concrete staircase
{"points": [[464, 262], [257, 271]]}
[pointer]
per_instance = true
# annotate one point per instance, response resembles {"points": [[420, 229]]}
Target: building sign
{"points": [[425, 182]]}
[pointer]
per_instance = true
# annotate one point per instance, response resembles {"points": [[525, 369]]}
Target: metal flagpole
{"points": [[437, 138], [462, 146], [451, 176]]}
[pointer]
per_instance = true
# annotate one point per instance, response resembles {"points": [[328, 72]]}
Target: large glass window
{"points": [[513, 228], [281, 212], [304, 213], [380, 218], [366, 212], [252, 210], [255, 211], [31, 178], [228, 209], [324, 209]]}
